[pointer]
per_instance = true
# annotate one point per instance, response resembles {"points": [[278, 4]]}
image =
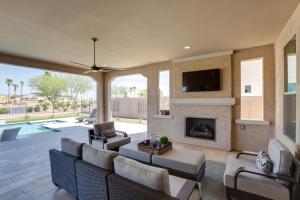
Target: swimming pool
{"points": [[31, 128]]}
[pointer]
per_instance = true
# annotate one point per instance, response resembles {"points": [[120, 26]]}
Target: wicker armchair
{"points": [[98, 139]]}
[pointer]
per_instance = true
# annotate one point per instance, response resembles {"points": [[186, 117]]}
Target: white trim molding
{"points": [[252, 122], [209, 55], [204, 101], [163, 116]]}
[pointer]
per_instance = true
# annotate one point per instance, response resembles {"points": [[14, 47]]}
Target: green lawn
{"points": [[30, 119]]}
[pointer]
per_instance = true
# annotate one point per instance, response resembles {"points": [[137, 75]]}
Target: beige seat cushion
{"points": [[253, 183], [116, 142], [131, 151], [152, 177], [183, 160], [100, 158], [112, 143], [176, 183]]}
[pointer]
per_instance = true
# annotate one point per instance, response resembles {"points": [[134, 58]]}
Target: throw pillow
{"points": [[109, 133], [264, 162]]}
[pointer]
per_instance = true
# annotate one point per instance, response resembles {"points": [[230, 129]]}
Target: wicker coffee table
{"points": [[184, 163]]}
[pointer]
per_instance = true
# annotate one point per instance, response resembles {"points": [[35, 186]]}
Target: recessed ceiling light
{"points": [[187, 47]]}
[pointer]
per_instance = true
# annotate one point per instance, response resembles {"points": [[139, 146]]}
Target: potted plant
{"points": [[164, 140]]}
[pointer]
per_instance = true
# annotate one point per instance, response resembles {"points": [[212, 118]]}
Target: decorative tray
{"points": [[160, 149]]}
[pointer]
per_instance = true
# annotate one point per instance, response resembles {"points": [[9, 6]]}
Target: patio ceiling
{"points": [[136, 32]]}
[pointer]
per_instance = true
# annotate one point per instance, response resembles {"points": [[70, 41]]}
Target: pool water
{"points": [[31, 128]]}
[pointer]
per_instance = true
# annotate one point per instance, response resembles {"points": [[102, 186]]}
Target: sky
{"points": [[17, 74]]}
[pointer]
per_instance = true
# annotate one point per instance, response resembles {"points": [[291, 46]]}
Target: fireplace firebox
{"points": [[201, 128]]}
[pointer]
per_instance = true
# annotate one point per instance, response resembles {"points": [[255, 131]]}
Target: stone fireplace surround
{"points": [[218, 108]]}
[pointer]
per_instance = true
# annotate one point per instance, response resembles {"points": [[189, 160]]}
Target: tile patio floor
{"points": [[25, 168]]}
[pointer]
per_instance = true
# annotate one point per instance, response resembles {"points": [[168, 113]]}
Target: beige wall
{"points": [[291, 28], [222, 62], [254, 137]]}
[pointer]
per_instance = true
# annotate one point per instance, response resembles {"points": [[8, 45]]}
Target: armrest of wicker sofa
{"points": [[261, 173], [122, 132], [187, 190], [252, 153], [91, 181], [63, 171]]}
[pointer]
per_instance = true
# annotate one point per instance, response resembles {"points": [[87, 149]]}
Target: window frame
{"points": [[262, 119], [169, 86]]}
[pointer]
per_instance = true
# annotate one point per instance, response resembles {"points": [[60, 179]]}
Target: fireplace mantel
{"points": [[204, 101]]}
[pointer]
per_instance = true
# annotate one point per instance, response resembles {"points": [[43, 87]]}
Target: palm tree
{"points": [[21, 87], [132, 89], [15, 86], [8, 82]]}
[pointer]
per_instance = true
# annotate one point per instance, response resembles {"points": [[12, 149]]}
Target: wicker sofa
{"points": [[95, 175]]}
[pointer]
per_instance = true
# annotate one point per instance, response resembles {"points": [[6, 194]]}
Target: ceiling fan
{"points": [[94, 67]]}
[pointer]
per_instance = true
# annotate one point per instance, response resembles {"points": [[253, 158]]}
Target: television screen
{"points": [[204, 80]]}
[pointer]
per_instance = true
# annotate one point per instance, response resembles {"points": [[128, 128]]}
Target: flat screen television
{"points": [[204, 80]]}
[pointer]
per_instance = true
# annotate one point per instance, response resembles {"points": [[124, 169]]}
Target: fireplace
{"points": [[201, 128]]}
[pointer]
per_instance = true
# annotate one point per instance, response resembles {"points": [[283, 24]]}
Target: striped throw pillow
{"points": [[264, 162]]}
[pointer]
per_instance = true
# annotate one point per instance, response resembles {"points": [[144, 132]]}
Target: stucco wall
{"points": [[254, 137], [221, 62], [291, 28]]}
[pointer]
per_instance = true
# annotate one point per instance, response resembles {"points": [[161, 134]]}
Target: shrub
{"points": [[68, 104], [84, 105], [29, 109], [4, 111], [45, 107], [164, 140], [74, 106], [61, 104], [37, 109]]}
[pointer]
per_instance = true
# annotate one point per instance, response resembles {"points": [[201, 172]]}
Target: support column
{"points": [[99, 97], [98, 101]]}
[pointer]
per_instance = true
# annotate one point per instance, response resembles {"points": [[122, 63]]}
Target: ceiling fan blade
{"points": [[87, 72], [76, 63], [111, 68]]}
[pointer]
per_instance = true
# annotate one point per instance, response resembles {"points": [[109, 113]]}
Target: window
{"points": [[164, 89], [289, 97], [252, 89]]}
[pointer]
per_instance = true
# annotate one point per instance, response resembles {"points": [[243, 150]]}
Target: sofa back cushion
{"points": [[281, 157], [71, 147], [99, 128], [99, 158], [152, 177]]}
